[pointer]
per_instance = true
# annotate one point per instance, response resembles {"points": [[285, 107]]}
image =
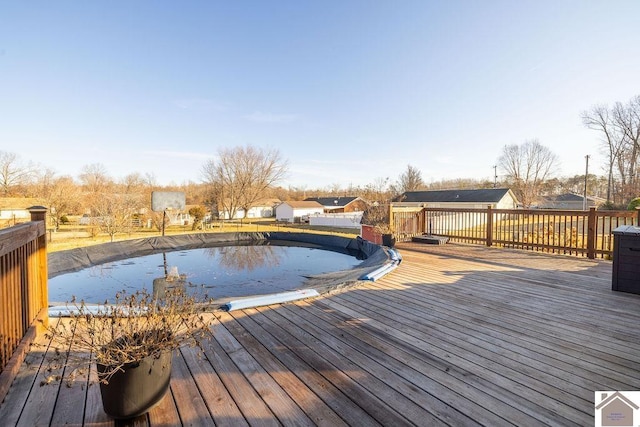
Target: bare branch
{"points": [[527, 166]]}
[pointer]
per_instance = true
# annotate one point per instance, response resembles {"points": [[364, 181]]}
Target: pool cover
{"points": [[373, 256]]}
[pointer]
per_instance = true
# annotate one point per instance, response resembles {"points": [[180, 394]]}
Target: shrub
{"points": [[197, 212], [633, 204], [378, 217]]}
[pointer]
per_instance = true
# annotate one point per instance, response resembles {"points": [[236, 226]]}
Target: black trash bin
{"points": [[626, 259]]}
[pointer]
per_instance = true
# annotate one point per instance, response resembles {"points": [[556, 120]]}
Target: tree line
{"points": [[530, 169], [241, 176], [619, 129]]}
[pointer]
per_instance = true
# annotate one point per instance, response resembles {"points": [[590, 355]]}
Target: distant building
{"points": [[497, 198], [14, 210], [261, 209], [295, 211], [176, 217], [340, 204], [568, 201]]}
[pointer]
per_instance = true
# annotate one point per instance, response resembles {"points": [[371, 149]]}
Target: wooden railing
{"points": [[23, 290], [582, 233]]}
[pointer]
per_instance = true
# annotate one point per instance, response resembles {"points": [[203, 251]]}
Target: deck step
{"points": [[430, 239]]}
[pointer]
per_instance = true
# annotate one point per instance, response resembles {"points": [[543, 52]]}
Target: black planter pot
{"points": [[137, 388], [388, 240]]}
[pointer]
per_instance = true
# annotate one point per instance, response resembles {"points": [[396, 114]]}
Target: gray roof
{"points": [[569, 197], [304, 204], [338, 202], [487, 195]]}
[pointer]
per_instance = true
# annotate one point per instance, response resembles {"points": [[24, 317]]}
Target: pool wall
{"points": [[373, 256]]}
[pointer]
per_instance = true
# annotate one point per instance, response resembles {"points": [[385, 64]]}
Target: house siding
{"points": [[340, 204], [462, 199], [290, 212]]}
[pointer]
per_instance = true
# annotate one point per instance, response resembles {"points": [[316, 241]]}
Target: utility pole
{"points": [[495, 176], [586, 175]]}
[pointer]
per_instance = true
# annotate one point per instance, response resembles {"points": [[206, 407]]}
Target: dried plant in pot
{"points": [[377, 216], [132, 342]]}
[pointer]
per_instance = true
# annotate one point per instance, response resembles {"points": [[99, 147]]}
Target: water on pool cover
{"points": [[229, 271]]}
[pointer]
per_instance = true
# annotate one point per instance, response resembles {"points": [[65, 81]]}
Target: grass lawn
{"points": [[73, 235]]}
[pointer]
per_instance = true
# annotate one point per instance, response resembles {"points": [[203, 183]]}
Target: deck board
{"points": [[347, 399], [474, 356], [338, 368], [456, 335], [432, 391], [188, 398], [28, 374], [314, 407], [218, 400]]}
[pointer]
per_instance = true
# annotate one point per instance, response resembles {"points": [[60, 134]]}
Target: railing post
{"points": [[591, 233], [489, 226], [39, 213]]}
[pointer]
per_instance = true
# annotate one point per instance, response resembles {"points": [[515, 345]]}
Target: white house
{"points": [[176, 217], [14, 209], [497, 198], [261, 209], [293, 211]]}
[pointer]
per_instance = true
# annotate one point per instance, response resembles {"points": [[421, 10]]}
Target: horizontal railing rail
{"points": [[582, 233], [23, 283]]}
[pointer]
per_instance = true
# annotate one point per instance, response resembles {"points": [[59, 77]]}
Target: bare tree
{"points": [[13, 173], [150, 180], [60, 195], [627, 119], [377, 191], [599, 118], [409, 180], [94, 178], [115, 212], [134, 183], [460, 184], [241, 175], [620, 130], [527, 166]]}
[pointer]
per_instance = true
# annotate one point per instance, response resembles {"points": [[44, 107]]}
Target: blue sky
{"points": [[348, 91]]}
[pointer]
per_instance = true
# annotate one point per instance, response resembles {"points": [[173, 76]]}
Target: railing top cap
{"points": [[37, 209]]}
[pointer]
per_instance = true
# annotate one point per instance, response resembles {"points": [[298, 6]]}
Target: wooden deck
{"points": [[457, 335]]}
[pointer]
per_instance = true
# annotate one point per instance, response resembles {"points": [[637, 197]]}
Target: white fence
{"points": [[346, 220]]}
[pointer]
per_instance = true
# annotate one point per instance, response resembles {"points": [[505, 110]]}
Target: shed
{"points": [[293, 211]]}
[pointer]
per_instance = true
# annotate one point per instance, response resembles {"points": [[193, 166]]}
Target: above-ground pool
{"points": [[221, 271], [222, 266]]}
